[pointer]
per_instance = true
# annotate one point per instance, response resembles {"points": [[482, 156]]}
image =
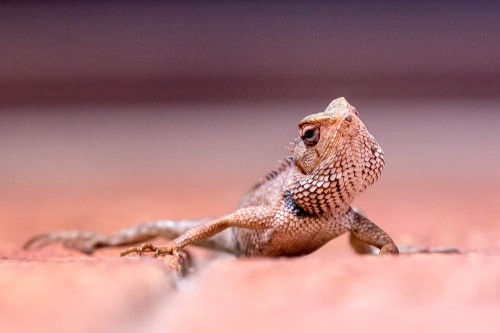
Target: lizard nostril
{"points": [[348, 117]]}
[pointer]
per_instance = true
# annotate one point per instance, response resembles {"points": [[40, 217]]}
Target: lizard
{"points": [[297, 208]]}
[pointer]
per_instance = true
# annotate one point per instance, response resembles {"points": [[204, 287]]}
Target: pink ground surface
{"points": [[114, 168]]}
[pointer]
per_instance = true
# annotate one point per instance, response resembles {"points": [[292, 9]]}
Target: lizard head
{"points": [[336, 152]]}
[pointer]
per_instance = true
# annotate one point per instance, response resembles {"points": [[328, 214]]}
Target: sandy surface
{"points": [[113, 167]]}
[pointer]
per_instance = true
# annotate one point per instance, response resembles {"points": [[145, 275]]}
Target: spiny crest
{"points": [[282, 166]]}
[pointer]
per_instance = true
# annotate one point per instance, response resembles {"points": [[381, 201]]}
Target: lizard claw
{"points": [[136, 249], [148, 247]]}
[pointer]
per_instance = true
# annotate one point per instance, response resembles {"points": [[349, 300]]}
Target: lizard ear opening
{"points": [[309, 134]]}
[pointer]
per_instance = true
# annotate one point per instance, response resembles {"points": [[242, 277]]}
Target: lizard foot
{"points": [[176, 256], [83, 241], [148, 247], [390, 248], [407, 249]]}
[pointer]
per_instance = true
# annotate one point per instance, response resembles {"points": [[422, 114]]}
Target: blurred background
{"points": [[116, 113]]}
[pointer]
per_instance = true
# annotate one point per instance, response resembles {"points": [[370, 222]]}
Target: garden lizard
{"points": [[297, 208]]}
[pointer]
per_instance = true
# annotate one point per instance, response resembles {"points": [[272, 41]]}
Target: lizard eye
{"points": [[309, 134]]}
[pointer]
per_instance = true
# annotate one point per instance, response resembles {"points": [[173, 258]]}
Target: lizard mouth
{"points": [[299, 167], [302, 169]]}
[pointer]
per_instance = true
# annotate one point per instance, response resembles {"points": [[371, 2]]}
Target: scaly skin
{"points": [[295, 210]]}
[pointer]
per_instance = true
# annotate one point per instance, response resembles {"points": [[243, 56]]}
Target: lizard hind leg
{"points": [[88, 241], [83, 241], [415, 249]]}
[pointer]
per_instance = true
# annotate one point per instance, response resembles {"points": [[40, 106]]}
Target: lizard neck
{"points": [[329, 190]]}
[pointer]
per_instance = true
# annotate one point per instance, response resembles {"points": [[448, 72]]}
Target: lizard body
{"points": [[296, 209]]}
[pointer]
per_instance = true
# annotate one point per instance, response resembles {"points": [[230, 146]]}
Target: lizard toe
{"points": [[390, 248]]}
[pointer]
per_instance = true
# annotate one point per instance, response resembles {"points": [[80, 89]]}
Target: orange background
{"points": [[114, 114]]}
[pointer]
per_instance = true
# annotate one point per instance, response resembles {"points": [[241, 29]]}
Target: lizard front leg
{"points": [[253, 217], [366, 231]]}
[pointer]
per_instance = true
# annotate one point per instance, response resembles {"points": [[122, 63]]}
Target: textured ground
{"points": [[109, 169]]}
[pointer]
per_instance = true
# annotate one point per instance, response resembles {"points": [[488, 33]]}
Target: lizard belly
{"points": [[299, 236], [282, 245]]}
